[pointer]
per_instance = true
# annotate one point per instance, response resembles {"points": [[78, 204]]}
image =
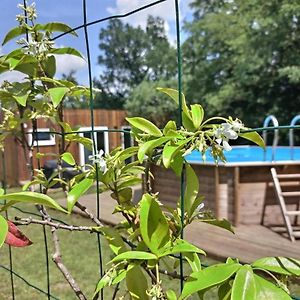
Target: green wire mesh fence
{"points": [[47, 292]]}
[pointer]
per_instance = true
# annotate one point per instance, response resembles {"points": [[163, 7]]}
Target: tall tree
{"points": [[130, 55], [145, 101], [244, 58]]}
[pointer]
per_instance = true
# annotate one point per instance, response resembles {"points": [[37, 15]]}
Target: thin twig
{"points": [[58, 261], [88, 213], [174, 274], [147, 183], [116, 291], [30, 220]]}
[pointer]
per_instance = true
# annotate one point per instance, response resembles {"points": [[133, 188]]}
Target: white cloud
{"points": [[165, 10], [12, 76], [66, 63]]}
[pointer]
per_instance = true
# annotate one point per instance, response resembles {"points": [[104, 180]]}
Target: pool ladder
{"points": [[291, 135], [267, 120]]}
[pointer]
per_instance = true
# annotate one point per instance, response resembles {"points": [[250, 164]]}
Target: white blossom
{"points": [[237, 125], [200, 206], [99, 160], [226, 132]]}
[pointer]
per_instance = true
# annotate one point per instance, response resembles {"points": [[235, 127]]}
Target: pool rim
{"points": [[247, 163]]}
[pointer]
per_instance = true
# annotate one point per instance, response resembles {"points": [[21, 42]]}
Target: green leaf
{"points": [[137, 284], [281, 265], [193, 260], [66, 50], [177, 164], [171, 125], [197, 115], [148, 147], [110, 279], [50, 66], [153, 224], [191, 190], [57, 94], [171, 151], [22, 99], [168, 153], [126, 153], [224, 291], [179, 246], [131, 182], [54, 27], [134, 255], [114, 239], [13, 33], [77, 191], [243, 287], [123, 195], [208, 278], [174, 94], [4, 66], [144, 125], [225, 224], [266, 290], [186, 116], [3, 230], [68, 158], [171, 295], [253, 137], [31, 197], [28, 69], [86, 142], [103, 282]]}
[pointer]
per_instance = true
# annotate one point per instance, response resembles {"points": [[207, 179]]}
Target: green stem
{"points": [[213, 118]]}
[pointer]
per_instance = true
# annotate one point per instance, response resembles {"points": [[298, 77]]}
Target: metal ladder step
{"points": [[291, 194], [288, 176], [293, 213]]}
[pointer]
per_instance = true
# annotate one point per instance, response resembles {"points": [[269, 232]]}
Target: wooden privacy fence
{"points": [[16, 170]]}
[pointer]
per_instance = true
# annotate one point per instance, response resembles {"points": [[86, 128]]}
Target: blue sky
{"points": [[70, 12]]}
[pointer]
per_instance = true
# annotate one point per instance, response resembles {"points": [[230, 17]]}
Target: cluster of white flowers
{"points": [[99, 160], [36, 48], [226, 132], [30, 12]]}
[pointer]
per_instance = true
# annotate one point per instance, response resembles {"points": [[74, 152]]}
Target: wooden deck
{"points": [[249, 242]]}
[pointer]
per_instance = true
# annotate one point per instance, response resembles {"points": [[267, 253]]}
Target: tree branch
{"points": [[89, 214], [30, 220], [58, 261]]}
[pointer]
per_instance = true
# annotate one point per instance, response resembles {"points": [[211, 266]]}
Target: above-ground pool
{"points": [[239, 189], [251, 154]]}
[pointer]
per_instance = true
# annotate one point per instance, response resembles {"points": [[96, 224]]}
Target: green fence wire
{"points": [[85, 26]]}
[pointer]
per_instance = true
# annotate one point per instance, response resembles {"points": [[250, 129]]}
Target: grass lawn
{"points": [[79, 253]]}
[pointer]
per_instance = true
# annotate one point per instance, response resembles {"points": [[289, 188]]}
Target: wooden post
{"points": [[217, 193], [236, 196]]}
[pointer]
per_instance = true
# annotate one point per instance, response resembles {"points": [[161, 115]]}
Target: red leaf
{"points": [[15, 237]]}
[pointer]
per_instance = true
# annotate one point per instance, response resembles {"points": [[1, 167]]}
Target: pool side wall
{"points": [[237, 193]]}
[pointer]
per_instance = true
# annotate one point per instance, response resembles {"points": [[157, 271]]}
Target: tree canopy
{"points": [[242, 58], [130, 55], [147, 102]]}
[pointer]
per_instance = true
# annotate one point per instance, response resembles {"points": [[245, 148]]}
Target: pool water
{"points": [[251, 154]]}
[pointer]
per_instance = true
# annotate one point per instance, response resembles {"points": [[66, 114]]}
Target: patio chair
{"points": [[283, 198]]}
